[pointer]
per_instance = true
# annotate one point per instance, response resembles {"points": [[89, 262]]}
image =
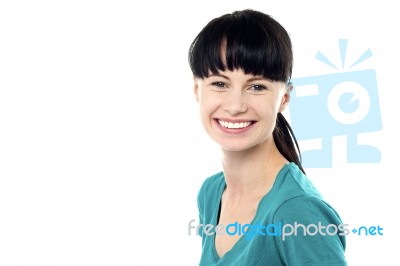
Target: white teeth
{"points": [[234, 125]]}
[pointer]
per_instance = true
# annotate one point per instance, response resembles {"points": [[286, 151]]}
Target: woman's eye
{"points": [[219, 84], [258, 88]]}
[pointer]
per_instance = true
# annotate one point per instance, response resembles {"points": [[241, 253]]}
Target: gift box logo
{"points": [[344, 103]]}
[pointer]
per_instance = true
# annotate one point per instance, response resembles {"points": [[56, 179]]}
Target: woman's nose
{"points": [[234, 103]]}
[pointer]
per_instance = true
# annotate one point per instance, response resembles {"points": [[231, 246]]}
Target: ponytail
{"points": [[286, 142]]}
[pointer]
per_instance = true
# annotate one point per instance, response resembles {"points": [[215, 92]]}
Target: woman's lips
{"points": [[234, 126], [231, 125]]}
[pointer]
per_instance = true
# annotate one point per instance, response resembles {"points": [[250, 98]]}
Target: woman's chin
{"points": [[235, 147]]}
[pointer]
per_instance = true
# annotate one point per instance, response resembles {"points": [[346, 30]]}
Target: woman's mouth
{"points": [[234, 125]]}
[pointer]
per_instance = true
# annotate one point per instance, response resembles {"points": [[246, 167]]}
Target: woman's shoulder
{"points": [[212, 185], [212, 181], [292, 183], [298, 195]]}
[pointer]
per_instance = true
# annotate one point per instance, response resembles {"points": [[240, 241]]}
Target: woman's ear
{"points": [[196, 89], [286, 97]]}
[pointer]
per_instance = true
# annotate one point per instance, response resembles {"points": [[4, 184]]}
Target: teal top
{"points": [[292, 205]]}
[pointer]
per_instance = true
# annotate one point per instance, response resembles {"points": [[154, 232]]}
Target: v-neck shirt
{"points": [[292, 203]]}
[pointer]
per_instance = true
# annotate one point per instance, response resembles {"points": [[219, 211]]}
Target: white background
{"points": [[101, 149]]}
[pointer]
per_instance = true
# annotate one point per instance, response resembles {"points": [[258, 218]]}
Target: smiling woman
{"points": [[238, 110], [242, 64]]}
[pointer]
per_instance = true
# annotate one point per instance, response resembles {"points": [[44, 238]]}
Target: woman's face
{"points": [[239, 110]]}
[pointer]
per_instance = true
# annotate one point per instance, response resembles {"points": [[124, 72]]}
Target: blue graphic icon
{"points": [[344, 103]]}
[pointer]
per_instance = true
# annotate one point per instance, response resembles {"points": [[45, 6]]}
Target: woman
{"points": [[269, 212]]}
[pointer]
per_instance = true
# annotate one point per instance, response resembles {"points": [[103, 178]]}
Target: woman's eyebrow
{"points": [[219, 75], [257, 78]]}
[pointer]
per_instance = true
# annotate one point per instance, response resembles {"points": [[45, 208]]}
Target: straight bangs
{"points": [[256, 44]]}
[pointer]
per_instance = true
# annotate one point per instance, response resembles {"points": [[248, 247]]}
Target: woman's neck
{"points": [[251, 173]]}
